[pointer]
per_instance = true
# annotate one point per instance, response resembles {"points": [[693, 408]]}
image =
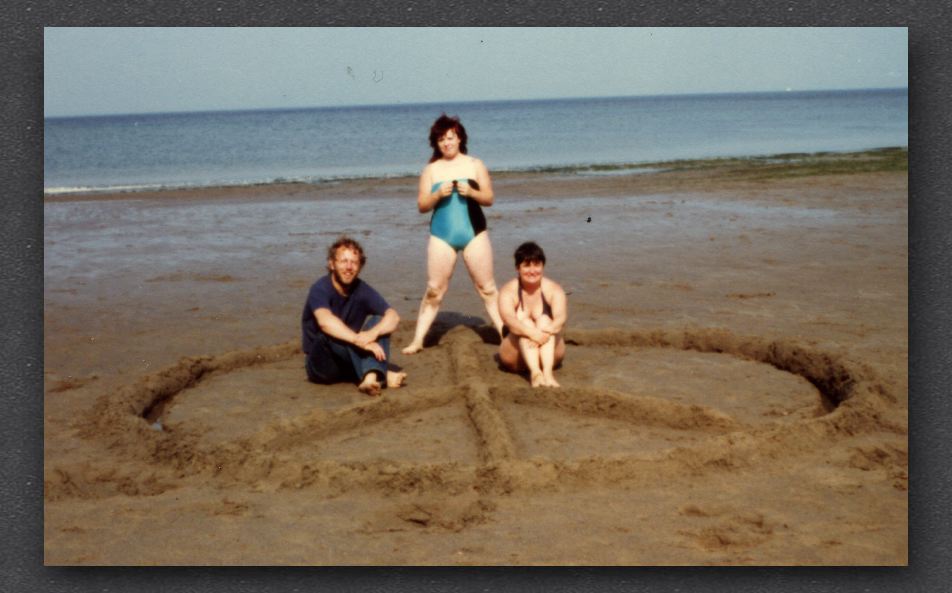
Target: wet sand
{"points": [[734, 392]]}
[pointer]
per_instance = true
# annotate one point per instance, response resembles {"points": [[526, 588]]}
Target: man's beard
{"points": [[340, 281]]}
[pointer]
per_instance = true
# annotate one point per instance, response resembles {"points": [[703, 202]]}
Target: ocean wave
{"points": [[580, 169], [187, 185]]}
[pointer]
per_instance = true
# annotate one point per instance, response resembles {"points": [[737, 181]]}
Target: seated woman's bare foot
{"points": [[413, 348], [370, 385], [537, 380], [551, 382], [395, 380]]}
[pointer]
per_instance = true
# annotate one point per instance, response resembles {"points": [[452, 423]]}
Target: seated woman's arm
{"points": [[559, 304], [525, 328]]}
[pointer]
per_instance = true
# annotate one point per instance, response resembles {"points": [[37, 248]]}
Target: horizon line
{"points": [[466, 102]]}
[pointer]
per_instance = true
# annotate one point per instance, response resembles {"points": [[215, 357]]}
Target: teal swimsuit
{"points": [[456, 219]]}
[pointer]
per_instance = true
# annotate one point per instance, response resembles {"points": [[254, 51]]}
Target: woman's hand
{"points": [[545, 324], [465, 189], [427, 197], [540, 337], [444, 190]]}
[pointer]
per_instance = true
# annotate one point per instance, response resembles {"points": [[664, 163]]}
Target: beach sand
{"points": [[734, 391]]}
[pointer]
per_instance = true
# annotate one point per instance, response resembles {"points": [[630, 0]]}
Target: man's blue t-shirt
{"points": [[352, 309]]}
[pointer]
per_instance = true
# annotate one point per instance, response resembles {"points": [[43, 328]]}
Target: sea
{"points": [[136, 152]]}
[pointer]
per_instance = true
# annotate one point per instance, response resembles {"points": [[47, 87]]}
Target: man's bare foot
{"points": [[370, 385], [537, 380], [413, 348], [396, 380]]}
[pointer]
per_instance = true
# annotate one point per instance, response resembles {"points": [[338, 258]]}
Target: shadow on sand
{"points": [[445, 321]]}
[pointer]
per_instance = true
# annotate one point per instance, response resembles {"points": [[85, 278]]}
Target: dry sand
{"points": [[735, 388]]}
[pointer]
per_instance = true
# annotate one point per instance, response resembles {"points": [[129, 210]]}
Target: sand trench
{"points": [[292, 452]]}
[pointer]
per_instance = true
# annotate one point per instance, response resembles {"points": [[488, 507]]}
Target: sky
{"points": [[102, 70]]}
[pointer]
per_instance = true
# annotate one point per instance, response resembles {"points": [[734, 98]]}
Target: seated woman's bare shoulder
{"points": [[550, 286], [510, 287]]}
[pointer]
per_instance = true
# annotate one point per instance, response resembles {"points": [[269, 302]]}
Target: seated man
{"points": [[346, 324], [533, 311]]}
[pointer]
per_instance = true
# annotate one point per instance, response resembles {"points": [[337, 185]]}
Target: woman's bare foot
{"points": [[412, 348], [396, 380], [370, 385], [537, 380], [551, 382]]}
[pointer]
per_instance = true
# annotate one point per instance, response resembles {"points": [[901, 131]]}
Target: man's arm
{"points": [[332, 325], [387, 325]]}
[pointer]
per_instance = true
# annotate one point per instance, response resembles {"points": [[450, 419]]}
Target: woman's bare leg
{"points": [[547, 360], [547, 353], [440, 261], [509, 356], [478, 257], [530, 354]]}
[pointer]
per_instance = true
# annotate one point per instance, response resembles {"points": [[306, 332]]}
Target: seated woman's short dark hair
{"points": [[529, 252]]}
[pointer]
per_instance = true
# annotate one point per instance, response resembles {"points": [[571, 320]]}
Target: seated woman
{"points": [[533, 310]]}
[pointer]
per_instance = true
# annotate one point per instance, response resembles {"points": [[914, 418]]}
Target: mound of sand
{"points": [[248, 417]]}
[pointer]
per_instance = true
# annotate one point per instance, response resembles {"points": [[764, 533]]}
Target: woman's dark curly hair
{"points": [[529, 252], [442, 125]]}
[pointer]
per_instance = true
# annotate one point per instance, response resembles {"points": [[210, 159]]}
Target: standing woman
{"points": [[454, 186]]}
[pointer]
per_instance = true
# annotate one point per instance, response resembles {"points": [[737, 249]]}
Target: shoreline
{"points": [[757, 167]]}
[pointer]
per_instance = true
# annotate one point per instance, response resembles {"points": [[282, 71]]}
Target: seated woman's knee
{"points": [[544, 322]]}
